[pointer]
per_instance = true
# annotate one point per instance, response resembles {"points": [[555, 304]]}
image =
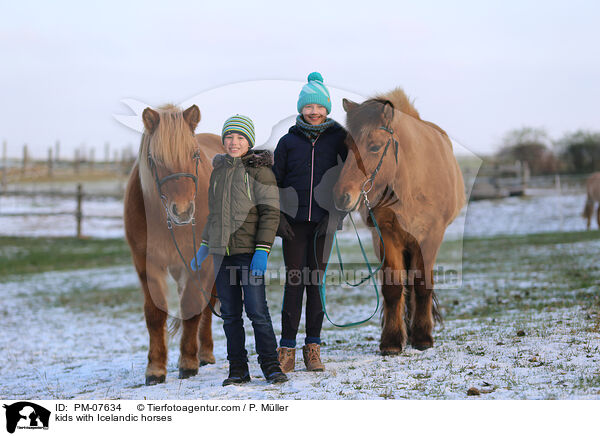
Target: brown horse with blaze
{"points": [[415, 189], [168, 189]]}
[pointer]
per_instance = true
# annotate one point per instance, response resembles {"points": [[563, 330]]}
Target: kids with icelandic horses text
{"points": [[243, 218]]}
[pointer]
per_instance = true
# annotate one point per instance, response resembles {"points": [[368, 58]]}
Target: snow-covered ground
{"points": [[55, 345], [60, 340]]}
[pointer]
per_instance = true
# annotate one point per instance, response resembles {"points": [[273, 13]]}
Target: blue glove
{"points": [[199, 258], [258, 266]]}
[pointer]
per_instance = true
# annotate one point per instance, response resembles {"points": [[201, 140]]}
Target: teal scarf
{"points": [[310, 131]]}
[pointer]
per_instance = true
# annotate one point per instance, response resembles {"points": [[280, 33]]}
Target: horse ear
{"points": [[388, 111], [192, 116], [151, 119], [348, 105]]}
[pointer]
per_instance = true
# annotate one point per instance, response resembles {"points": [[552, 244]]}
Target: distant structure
{"points": [[496, 180]]}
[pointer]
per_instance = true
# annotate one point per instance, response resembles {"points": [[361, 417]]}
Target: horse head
{"points": [[169, 160], [372, 162]]}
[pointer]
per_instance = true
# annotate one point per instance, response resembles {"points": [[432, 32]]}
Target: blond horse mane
{"points": [[172, 144]]}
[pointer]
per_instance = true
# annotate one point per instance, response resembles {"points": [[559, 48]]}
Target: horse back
{"points": [[435, 180]]}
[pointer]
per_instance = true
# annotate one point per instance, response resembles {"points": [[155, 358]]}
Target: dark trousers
{"points": [[303, 271], [232, 276]]}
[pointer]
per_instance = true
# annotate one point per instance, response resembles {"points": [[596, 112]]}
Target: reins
{"points": [[164, 201], [363, 196]]}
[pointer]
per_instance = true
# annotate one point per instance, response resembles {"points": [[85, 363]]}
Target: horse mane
{"points": [[172, 143], [368, 114], [400, 101]]}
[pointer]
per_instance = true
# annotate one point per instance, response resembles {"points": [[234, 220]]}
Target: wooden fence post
{"points": [[4, 166], [92, 157], [50, 163], [78, 212], [76, 163], [25, 160]]}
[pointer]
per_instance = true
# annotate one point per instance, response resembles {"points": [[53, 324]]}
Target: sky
{"points": [[478, 69]]}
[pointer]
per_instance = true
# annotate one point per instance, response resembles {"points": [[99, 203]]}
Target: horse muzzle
{"points": [[345, 202], [179, 217]]}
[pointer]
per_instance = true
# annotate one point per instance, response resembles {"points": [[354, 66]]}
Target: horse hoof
{"points": [[421, 342], [187, 373], [152, 380], [206, 358], [391, 351]]}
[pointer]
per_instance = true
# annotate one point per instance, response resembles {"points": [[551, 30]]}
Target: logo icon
{"points": [[26, 415]]}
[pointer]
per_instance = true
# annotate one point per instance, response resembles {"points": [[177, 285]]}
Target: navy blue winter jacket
{"points": [[301, 165]]}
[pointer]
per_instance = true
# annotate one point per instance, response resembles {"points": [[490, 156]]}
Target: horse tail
{"points": [[174, 326], [408, 308], [435, 309]]}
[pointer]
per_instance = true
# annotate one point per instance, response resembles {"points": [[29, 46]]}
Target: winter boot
{"points": [[273, 373], [312, 357], [287, 358], [238, 373]]}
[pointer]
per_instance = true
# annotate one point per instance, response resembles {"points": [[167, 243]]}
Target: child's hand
{"points": [[258, 266], [199, 258]]}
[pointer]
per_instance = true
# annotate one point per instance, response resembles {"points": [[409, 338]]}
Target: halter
{"points": [[371, 178], [164, 201], [175, 176]]}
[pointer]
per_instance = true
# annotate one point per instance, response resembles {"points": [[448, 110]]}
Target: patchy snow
{"points": [[54, 346], [545, 211], [109, 226], [53, 350]]}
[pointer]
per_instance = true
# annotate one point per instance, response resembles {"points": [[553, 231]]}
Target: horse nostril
{"points": [[174, 209], [346, 199], [191, 209]]}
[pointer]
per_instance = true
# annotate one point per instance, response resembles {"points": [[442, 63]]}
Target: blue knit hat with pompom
{"points": [[314, 92]]}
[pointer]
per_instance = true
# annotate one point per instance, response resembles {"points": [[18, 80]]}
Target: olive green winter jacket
{"points": [[243, 201]]}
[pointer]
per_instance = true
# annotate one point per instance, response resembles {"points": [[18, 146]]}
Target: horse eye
{"points": [[374, 148]]}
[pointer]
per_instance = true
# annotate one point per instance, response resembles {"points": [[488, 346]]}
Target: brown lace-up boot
{"points": [[312, 357], [287, 358]]}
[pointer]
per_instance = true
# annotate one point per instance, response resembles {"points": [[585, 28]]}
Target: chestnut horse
{"points": [[593, 196], [168, 189], [415, 188]]}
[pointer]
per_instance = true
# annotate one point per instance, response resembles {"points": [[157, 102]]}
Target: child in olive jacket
{"points": [[243, 202]]}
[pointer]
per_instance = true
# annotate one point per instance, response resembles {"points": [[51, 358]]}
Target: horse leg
{"points": [[191, 313], [197, 326], [393, 334], [205, 354], [207, 278], [155, 311], [420, 280], [597, 217], [588, 211]]}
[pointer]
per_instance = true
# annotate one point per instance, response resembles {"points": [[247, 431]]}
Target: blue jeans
{"points": [[232, 276]]}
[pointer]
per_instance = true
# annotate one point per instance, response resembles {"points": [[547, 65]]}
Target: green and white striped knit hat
{"points": [[314, 92], [239, 124]]}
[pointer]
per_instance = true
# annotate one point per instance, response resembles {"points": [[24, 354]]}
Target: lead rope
{"points": [[371, 276]]}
